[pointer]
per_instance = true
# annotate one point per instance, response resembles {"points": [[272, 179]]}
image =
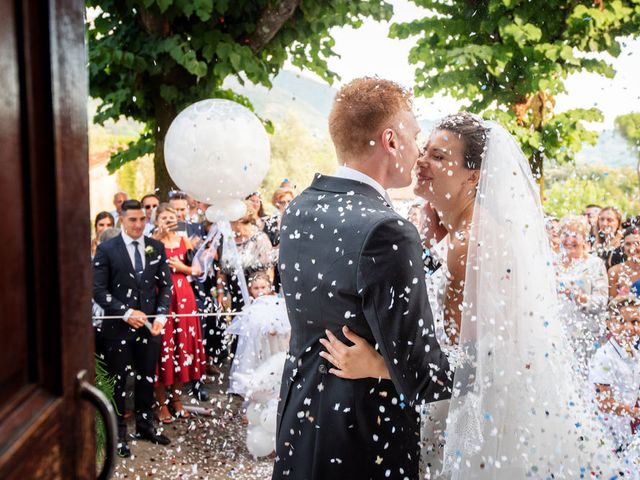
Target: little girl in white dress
{"points": [[263, 330]]}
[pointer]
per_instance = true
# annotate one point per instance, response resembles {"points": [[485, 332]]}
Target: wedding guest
{"points": [[591, 213], [103, 221], [96, 310], [201, 214], [609, 237], [553, 231], [150, 203], [179, 201], [414, 215], [254, 252], [281, 199], [197, 213], [625, 274], [118, 199], [216, 340], [192, 204], [182, 356], [255, 200], [131, 279], [108, 234], [615, 370], [286, 183], [262, 331], [583, 289], [631, 221], [185, 207]]}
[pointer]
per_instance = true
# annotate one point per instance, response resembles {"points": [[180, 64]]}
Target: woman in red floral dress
{"points": [[182, 356]]}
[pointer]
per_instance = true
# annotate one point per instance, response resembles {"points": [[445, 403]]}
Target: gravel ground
{"points": [[202, 447]]}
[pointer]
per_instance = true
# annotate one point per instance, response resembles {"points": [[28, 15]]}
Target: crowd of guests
{"points": [[161, 316], [597, 258], [597, 261], [158, 299]]}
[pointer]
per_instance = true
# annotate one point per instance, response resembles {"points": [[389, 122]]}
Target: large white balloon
{"points": [[254, 413], [269, 418], [217, 149], [260, 443], [226, 210]]}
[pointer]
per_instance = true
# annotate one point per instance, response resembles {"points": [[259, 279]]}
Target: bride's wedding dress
{"points": [[434, 415], [518, 410]]}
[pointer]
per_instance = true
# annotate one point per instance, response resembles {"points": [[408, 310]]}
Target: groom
{"points": [[347, 258]]}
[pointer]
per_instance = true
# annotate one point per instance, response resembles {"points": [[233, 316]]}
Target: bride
{"points": [[518, 409]]}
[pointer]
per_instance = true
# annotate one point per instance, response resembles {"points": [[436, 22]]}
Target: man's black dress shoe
{"points": [[202, 394], [123, 449], [150, 435]]}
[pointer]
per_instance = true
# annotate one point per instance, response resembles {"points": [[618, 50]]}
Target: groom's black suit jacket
{"points": [[347, 258], [116, 289]]}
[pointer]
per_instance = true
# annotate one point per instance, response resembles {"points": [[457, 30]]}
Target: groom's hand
{"points": [[137, 319], [360, 360], [156, 328]]}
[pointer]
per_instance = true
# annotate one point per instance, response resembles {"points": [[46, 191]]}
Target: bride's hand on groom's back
{"points": [[359, 360]]}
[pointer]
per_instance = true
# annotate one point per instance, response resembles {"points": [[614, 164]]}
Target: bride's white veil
{"points": [[517, 409]]}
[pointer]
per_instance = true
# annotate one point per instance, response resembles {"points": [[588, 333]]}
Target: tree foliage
{"points": [[571, 189], [297, 156], [148, 59], [136, 177], [629, 126], [509, 58]]}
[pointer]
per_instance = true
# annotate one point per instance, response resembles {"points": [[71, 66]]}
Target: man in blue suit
{"points": [[131, 279]]}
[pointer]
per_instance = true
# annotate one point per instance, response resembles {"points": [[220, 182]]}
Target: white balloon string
{"points": [[177, 315], [205, 255]]}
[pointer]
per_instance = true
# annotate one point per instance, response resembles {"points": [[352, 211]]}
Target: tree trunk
{"points": [[164, 115], [537, 168], [270, 22]]}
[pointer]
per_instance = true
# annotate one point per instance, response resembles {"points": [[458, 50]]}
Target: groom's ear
{"points": [[389, 141]]}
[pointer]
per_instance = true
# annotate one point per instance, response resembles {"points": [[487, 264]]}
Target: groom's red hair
{"points": [[362, 109]]}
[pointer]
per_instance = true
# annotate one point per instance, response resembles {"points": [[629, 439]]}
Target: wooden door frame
{"points": [[47, 416]]}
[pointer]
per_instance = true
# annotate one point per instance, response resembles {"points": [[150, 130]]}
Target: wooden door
{"points": [[46, 338]]}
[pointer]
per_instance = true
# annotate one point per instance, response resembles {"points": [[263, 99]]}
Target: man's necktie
{"points": [[137, 260]]}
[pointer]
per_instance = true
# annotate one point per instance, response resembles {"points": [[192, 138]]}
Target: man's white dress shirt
{"points": [[352, 174], [128, 242]]}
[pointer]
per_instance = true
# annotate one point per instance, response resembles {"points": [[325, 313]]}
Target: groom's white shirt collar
{"points": [[127, 239], [352, 174]]}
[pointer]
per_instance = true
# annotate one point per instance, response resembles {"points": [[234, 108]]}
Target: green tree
{"points": [[571, 189], [297, 155], [136, 177], [148, 59], [629, 126], [509, 58]]}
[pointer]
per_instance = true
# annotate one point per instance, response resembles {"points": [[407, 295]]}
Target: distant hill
{"points": [[294, 94], [311, 101], [611, 150]]}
